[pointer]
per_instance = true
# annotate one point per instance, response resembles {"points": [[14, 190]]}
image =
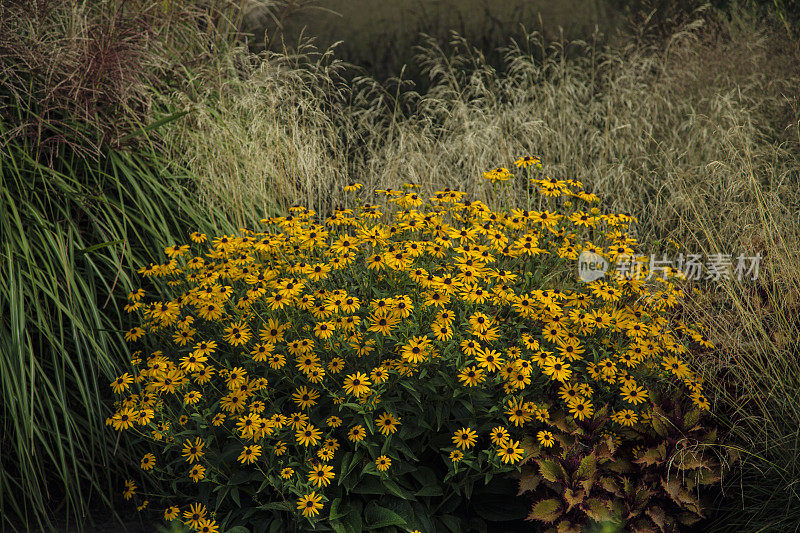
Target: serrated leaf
{"points": [[688, 519], [528, 482], [597, 509], [653, 456], [551, 470], [587, 468], [619, 465], [546, 511], [688, 460], [573, 498], [708, 477], [659, 424], [610, 485], [565, 526], [691, 418], [658, 516]]}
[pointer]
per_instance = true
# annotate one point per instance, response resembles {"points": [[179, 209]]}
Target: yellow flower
{"points": [[498, 435], [193, 451], [250, 454], [207, 526], [194, 515], [310, 504], [634, 394], [321, 475], [465, 438], [545, 438], [287, 473], [357, 384], [383, 463], [625, 417], [305, 398], [580, 408], [171, 513], [510, 452], [130, 489], [387, 423], [197, 472], [308, 435], [471, 376], [357, 433], [148, 461], [122, 383]]}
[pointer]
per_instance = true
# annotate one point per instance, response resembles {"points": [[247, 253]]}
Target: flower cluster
{"points": [[278, 349]]}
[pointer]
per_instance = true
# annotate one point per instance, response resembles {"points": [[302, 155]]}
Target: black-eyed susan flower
{"points": [[308, 435], [387, 423], [310, 504], [193, 451], [471, 376], [383, 463], [498, 435], [545, 438], [510, 452], [517, 414], [197, 473], [250, 454], [634, 394], [356, 433], [122, 383], [305, 398], [625, 417], [465, 438], [130, 489], [171, 513], [321, 475], [207, 526], [194, 515], [580, 408], [148, 461], [357, 384]]}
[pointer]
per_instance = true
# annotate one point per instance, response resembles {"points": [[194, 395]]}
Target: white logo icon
{"points": [[591, 266]]}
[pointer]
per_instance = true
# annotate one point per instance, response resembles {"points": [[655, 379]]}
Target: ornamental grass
{"points": [[425, 363]]}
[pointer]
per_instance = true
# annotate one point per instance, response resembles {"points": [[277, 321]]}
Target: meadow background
{"points": [[124, 125]]}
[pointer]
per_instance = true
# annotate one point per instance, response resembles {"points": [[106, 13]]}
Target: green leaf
{"points": [[396, 490], [429, 490], [551, 470], [587, 468], [596, 509], [376, 516], [369, 485], [335, 511], [546, 511], [450, 522], [691, 418], [276, 506], [101, 245]]}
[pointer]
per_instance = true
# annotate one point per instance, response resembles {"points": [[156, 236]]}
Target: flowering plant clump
{"points": [[366, 369]]}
